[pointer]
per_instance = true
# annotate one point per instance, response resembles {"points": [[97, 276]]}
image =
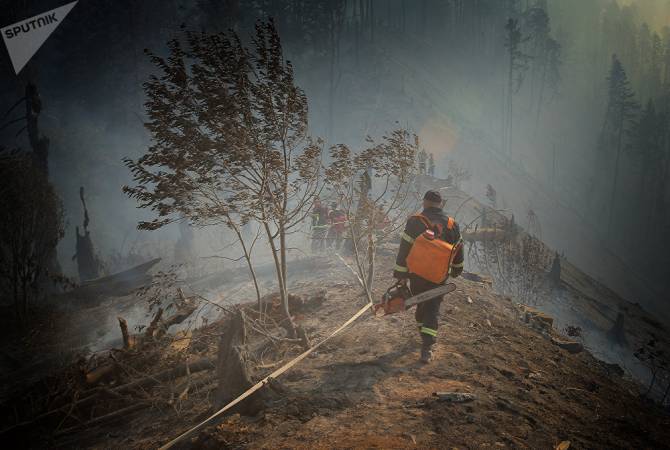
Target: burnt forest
{"points": [[335, 224]]}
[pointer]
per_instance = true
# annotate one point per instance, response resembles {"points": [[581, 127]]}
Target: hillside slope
{"points": [[366, 389]]}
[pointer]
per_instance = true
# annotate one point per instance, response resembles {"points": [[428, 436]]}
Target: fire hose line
{"points": [[265, 380]]}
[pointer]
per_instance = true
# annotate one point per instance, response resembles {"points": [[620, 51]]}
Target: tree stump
{"points": [[151, 329], [128, 340], [555, 272], [617, 333], [232, 369]]}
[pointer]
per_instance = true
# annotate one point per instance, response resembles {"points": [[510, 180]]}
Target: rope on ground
{"points": [[360, 280], [265, 380]]}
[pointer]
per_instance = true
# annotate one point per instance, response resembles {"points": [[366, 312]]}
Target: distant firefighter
{"points": [[431, 165], [338, 221], [319, 226], [422, 162]]}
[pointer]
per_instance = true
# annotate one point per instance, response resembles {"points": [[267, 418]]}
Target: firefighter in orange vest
{"points": [[445, 229]]}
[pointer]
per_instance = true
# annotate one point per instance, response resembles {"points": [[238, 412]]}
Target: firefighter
{"points": [[445, 229], [319, 226], [338, 220]]}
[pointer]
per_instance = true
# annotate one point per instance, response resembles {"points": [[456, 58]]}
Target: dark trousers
{"points": [[319, 238], [426, 313], [335, 238]]}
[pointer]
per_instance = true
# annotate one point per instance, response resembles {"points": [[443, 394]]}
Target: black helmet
{"points": [[433, 196]]}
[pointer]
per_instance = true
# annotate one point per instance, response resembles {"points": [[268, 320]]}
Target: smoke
{"points": [[656, 13], [426, 72]]}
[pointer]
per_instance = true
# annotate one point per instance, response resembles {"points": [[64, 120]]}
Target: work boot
{"points": [[426, 354]]}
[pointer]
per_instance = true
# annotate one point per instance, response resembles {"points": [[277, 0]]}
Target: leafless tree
{"points": [[377, 210], [457, 174], [517, 261], [652, 354]]}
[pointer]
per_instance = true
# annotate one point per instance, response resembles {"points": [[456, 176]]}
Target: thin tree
{"points": [[230, 142], [30, 228], [647, 150], [536, 23], [621, 112], [376, 187], [545, 52], [516, 68]]}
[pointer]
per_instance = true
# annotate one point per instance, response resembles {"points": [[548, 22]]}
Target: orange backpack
{"points": [[430, 257]]}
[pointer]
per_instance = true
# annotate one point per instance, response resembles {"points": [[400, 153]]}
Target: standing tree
{"points": [[376, 189], [457, 174], [30, 227], [230, 142], [516, 69], [621, 112], [545, 52], [88, 264], [647, 148], [536, 23]]}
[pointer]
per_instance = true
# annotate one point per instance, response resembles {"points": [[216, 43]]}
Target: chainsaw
{"points": [[399, 298]]}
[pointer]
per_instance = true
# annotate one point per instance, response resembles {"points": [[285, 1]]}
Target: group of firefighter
{"points": [[430, 252], [329, 226]]}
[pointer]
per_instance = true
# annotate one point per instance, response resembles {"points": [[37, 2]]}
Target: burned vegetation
{"points": [[241, 356], [172, 364]]}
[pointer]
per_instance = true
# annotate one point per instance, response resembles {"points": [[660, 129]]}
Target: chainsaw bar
{"points": [[425, 296], [396, 302]]}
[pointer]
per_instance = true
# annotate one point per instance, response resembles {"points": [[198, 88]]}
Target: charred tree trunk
{"points": [[555, 272], [123, 325], [232, 371], [617, 334], [87, 262], [40, 154], [39, 144]]}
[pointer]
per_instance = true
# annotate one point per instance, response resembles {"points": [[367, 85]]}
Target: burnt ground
{"points": [[366, 389]]}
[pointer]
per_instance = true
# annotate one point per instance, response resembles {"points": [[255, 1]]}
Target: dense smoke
{"points": [[524, 113]]}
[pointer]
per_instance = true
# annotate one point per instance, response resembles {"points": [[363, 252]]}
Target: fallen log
{"points": [[115, 285], [571, 346], [100, 373], [151, 329], [486, 235], [185, 308], [168, 374], [112, 416], [183, 313], [94, 394]]}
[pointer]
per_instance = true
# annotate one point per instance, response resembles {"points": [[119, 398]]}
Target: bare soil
{"points": [[367, 389]]}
